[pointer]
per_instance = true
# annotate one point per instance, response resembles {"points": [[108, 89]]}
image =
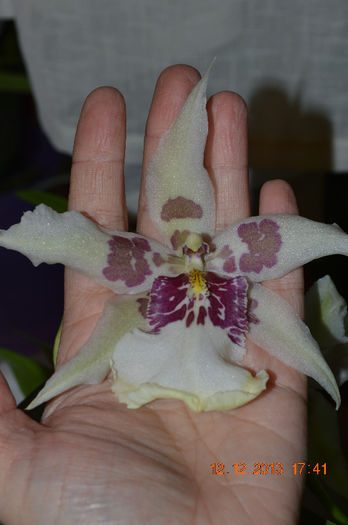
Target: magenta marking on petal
{"points": [[178, 238], [224, 304], [180, 208], [225, 252], [190, 318], [141, 244], [201, 315], [264, 243], [158, 259], [230, 265], [143, 304], [228, 305], [168, 301], [126, 261]]}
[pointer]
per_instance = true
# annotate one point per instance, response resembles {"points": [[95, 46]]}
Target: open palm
{"points": [[92, 460]]}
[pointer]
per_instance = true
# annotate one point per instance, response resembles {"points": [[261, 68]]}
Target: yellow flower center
{"points": [[198, 284]]}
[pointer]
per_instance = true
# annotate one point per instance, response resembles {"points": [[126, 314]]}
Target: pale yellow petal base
{"points": [[135, 396]]}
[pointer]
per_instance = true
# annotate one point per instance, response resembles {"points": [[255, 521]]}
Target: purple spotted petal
{"points": [[134, 262], [127, 262], [270, 246], [263, 241], [123, 262]]}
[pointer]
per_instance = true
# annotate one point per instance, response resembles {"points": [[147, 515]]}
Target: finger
{"points": [[277, 196], [173, 87], [226, 157], [97, 182], [97, 190], [7, 401]]}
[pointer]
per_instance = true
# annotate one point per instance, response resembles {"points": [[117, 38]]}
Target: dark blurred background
{"points": [[31, 299]]}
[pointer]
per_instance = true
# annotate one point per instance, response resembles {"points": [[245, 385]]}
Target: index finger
{"points": [[96, 190]]}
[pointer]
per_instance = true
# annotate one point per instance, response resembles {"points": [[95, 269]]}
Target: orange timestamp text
{"points": [[263, 468]]}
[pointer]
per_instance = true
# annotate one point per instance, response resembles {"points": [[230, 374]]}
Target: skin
{"points": [[94, 461]]}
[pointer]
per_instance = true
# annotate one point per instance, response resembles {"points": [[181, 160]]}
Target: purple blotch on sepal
{"points": [[123, 253], [178, 238], [264, 243], [229, 265], [181, 208], [158, 259]]}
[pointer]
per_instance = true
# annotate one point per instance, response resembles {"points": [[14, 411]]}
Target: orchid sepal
{"points": [[179, 191], [70, 238], [269, 246], [92, 363], [279, 330]]}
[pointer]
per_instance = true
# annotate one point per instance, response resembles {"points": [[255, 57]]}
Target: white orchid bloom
{"points": [[177, 327]]}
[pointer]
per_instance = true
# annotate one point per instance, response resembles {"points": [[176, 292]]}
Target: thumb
{"points": [[17, 434]]}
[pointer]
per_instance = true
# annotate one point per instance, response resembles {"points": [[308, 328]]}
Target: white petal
{"points": [[270, 246], [190, 364], [93, 361], [124, 262], [179, 192], [326, 316], [282, 334], [326, 312]]}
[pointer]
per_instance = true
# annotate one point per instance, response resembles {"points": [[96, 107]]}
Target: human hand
{"points": [[92, 460]]}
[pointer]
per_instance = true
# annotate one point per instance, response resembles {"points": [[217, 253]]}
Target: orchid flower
{"points": [[177, 326]]}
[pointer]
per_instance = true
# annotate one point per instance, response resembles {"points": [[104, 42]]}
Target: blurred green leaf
{"points": [[27, 371], [14, 83], [56, 202]]}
